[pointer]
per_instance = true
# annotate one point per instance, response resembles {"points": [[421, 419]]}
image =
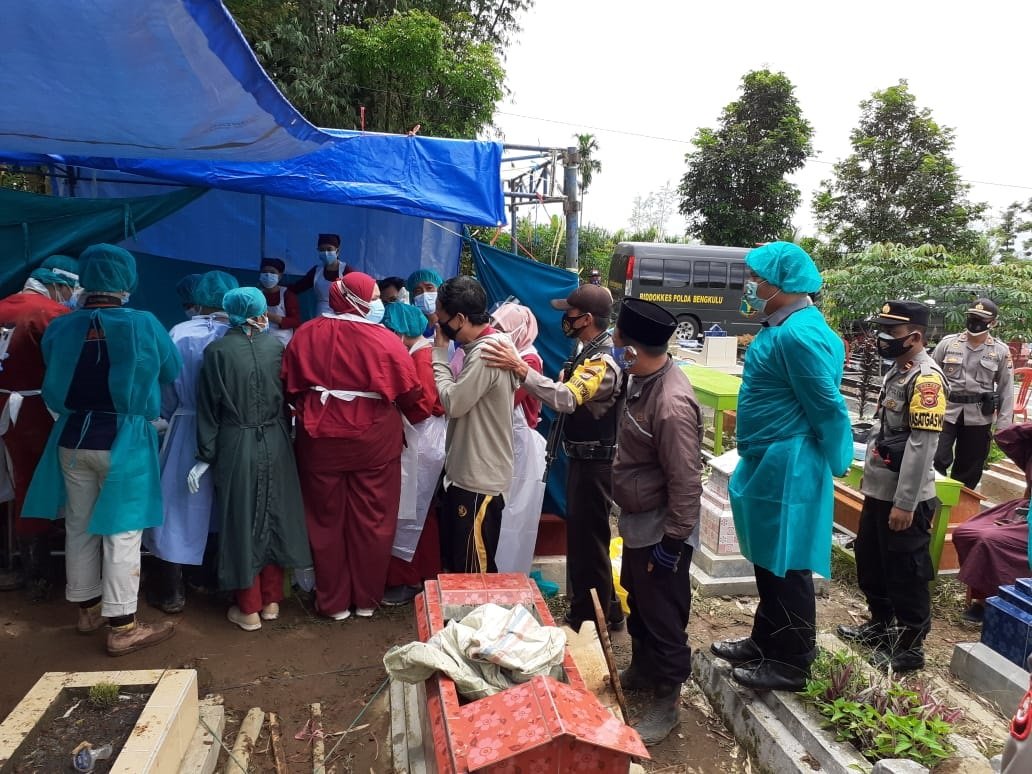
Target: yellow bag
{"points": [[616, 558]]}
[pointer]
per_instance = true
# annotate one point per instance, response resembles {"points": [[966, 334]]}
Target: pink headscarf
{"points": [[352, 294], [519, 322]]}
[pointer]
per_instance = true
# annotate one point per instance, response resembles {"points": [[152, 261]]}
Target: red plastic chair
{"points": [[1024, 378]]}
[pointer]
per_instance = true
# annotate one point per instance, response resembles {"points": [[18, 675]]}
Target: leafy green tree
{"points": [[587, 146], [900, 184], [308, 47], [1011, 234], [734, 191]]}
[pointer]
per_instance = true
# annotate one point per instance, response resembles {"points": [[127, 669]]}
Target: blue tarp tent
{"points": [[160, 79]]}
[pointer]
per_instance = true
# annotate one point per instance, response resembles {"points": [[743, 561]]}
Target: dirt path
{"points": [[301, 659]]}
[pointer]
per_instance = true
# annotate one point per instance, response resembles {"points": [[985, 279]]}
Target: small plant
{"points": [[881, 718], [104, 695]]}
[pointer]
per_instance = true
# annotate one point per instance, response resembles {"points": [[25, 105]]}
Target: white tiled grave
{"points": [[157, 743]]}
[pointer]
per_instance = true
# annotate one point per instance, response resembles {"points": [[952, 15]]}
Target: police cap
{"points": [[902, 313]]}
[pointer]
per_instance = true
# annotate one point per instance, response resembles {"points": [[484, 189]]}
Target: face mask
{"points": [[568, 330], [977, 325], [72, 302], [447, 330], [751, 302], [375, 313], [426, 302], [891, 348], [269, 279], [125, 299], [327, 257], [625, 357]]}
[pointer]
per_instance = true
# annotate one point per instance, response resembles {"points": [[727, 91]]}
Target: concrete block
{"points": [[721, 566], [898, 766], [990, 675], [735, 586], [1001, 487]]}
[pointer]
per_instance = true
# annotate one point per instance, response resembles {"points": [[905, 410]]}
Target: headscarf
{"points": [[107, 269], [64, 267], [352, 293], [404, 319], [786, 266], [186, 287], [519, 322], [212, 286], [422, 275], [242, 304]]}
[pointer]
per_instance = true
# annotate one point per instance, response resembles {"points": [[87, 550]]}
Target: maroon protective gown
{"points": [[349, 451], [30, 314], [993, 555]]}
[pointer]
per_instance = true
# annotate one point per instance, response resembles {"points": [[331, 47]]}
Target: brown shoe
{"points": [[136, 636], [90, 619]]}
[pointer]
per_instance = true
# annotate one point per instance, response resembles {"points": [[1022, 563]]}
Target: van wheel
{"points": [[687, 328]]}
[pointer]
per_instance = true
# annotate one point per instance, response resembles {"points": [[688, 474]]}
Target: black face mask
{"points": [[568, 330], [977, 325], [446, 329], [891, 348]]}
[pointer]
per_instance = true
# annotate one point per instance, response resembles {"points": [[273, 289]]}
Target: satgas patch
{"points": [[928, 403], [586, 380]]}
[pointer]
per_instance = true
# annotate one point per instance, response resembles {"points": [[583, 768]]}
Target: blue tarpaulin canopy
{"points": [[154, 79]]}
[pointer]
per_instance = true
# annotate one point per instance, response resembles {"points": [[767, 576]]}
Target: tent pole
{"points": [[261, 238], [571, 160]]}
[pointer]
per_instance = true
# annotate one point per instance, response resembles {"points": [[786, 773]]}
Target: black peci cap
{"points": [[902, 313], [645, 322]]}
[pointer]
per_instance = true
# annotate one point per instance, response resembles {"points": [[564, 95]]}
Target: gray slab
{"points": [[706, 585], [990, 675], [721, 565]]}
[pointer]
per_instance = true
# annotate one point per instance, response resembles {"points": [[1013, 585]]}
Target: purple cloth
{"points": [[992, 555]]}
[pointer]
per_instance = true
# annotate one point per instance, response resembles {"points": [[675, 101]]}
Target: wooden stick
{"points": [[277, 744], [245, 739], [607, 651], [318, 745]]}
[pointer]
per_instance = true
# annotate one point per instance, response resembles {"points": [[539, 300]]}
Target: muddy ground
{"points": [[302, 659]]}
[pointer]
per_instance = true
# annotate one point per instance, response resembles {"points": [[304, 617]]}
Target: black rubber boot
{"points": [[638, 675], [662, 715], [35, 558], [165, 589]]}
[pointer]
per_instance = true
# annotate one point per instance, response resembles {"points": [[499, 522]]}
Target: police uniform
{"points": [[590, 395], [981, 384], [894, 567]]}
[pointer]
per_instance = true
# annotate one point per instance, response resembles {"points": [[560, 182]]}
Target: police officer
{"points": [[893, 565], [589, 393], [979, 373]]}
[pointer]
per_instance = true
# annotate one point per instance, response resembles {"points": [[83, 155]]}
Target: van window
{"points": [[650, 271], [737, 276], [710, 274], [677, 274]]}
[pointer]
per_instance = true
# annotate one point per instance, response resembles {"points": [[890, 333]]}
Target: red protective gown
{"points": [[349, 451], [30, 314], [426, 561]]}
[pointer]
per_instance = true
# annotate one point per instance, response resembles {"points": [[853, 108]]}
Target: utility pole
{"points": [[571, 207]]}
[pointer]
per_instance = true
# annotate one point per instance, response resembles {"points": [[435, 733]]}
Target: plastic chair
{"points": [[1024, 377]]}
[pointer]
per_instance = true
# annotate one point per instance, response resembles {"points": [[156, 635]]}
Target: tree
{"points": [[1011, 233], [305, 46], [900, 184], [734, 191], [649, 216], [587, 146]]}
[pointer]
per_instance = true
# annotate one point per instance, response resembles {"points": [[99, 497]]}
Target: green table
{"points": [[717, 390], [946, 489]]}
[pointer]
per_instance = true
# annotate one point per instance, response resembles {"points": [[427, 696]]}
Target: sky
{"points": [[643, 76]]}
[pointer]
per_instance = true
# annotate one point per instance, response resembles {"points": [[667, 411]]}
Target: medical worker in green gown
{"points": [[105, 367], [244, 437], [794, 434]]}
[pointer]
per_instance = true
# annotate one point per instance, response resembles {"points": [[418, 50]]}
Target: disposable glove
{"points": [[193, 478], [160, 424]]}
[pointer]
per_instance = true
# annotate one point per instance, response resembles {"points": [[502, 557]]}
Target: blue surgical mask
{"points": [[751, 302], [625, 357], [375, 313], [73, 301], [125, 299], [327, 256], [268, 279], [426, 302]]}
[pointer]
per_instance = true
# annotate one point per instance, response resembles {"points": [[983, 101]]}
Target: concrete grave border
{"points": [[158, 742]]}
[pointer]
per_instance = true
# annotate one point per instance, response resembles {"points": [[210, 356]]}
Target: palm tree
{"points": [[587, 146]]}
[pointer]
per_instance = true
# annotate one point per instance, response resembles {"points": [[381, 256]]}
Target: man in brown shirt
{"points": [[657, 482]]}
